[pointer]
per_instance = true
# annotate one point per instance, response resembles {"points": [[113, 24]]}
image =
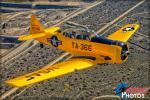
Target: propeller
{"points": [[124, 54], [139, 45], [92, 31]]}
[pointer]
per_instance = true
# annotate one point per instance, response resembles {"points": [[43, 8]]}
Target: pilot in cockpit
{"points": [[73, 34], [79, 35]]}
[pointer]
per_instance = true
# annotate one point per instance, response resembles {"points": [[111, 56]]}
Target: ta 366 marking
{"points": [[85, 47]]}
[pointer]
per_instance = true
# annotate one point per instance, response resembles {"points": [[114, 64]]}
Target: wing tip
{"points": [[134, 25], [8, 82]]}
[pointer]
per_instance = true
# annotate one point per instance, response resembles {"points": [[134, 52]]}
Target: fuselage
{"points": [[107, 51]]}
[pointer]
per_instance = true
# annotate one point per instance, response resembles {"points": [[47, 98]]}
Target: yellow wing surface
{"points": [[51, 72], [124, 33]]}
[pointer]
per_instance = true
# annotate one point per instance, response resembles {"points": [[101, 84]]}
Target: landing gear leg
{"points": [[41, 45]]}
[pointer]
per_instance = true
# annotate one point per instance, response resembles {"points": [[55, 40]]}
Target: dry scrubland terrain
{"points": [[98, 80], [18, 23]]}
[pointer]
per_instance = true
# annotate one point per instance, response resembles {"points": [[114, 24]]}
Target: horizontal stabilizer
{"points": [[52, 29], [31, 36], [48, 31]]}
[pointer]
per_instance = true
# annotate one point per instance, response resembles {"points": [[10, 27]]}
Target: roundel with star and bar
{"points": [[54, 41]]}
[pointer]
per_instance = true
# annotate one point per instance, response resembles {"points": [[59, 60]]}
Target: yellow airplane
{"points": [[88, 51]]}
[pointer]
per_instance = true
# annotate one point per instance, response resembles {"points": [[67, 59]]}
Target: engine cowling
{"points": [[124, 47], [124, 51]]}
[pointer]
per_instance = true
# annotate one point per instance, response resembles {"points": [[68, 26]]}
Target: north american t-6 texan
{"points": [[87, 50]]}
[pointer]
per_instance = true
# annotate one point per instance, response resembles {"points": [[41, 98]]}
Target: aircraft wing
{"points": [[51, 72], [124, 33]]}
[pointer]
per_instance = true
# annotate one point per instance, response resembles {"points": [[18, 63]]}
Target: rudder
{"points": [[35, 25]]}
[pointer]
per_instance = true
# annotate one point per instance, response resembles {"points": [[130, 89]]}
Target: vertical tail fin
{"points": [[37, 30], [35, 25]]}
